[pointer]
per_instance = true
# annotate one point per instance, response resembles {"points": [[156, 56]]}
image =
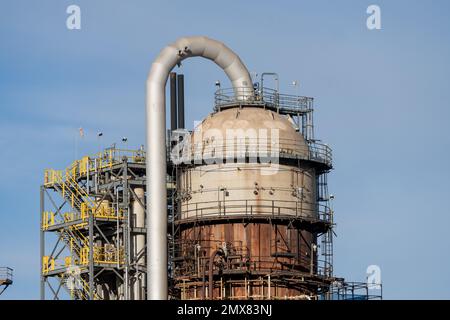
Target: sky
{"points": [[381, 102]]}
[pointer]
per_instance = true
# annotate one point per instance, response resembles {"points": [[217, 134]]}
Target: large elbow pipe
{"points": [[156, 149]]}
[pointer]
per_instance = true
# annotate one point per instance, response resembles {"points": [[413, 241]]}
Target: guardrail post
{"points": [[91, 257]]}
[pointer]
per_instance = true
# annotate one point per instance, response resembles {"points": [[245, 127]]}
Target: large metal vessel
{"points": [[251, 202]]}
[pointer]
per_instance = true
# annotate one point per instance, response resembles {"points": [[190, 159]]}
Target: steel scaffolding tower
{"points": [[92, 234]]}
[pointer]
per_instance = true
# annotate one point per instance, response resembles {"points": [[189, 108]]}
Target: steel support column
{"points": [[42, 242]]}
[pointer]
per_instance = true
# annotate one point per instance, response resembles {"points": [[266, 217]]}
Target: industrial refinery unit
{"points": [[238, 208]]}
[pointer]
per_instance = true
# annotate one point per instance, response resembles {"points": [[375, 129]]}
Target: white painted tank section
{"points": [[139, 241], [241, 189], [247, 188], [156, 130]]}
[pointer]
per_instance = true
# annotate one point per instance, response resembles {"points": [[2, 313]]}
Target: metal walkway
{"points": [[6, 278]]}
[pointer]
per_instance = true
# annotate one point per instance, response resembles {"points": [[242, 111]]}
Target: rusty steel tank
{"points": [[248, 211]]}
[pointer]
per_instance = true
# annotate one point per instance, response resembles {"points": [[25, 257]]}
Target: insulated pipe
{"points": [[156, 149]]}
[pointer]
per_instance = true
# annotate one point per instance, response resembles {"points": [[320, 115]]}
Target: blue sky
{"points": [[382, 103]]}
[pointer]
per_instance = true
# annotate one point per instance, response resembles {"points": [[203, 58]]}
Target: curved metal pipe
{"points": [[156, 149]]}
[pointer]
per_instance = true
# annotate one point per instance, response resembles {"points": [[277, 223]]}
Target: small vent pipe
{"points": [[173, 101], [180, 84]]}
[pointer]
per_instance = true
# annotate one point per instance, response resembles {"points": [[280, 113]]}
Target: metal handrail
{"points": [[107, 158], [251, 148], [285, 103], [104, 159], [185, 250], [260, 263], [255, 208], [6, 274], [355, 291]]}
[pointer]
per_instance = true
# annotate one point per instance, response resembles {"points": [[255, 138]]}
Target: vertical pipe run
{"points": [[174, 126], [211, 273], [139, 240], [91, 256], [126, 232], [180, 80], [173, 101]]}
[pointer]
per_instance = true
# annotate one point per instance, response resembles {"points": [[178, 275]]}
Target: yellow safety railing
{"points": [[73, 245], [108, 158], [48, 264], [84, 256], [83, 166], [78, 197], [77, 243], [48, 219], [76, 230], [52, 176], [101, 210], [101, 160], [112, 156], [102, 255], [69, 186], [85, 291], [76, 191], [68, 261]]}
